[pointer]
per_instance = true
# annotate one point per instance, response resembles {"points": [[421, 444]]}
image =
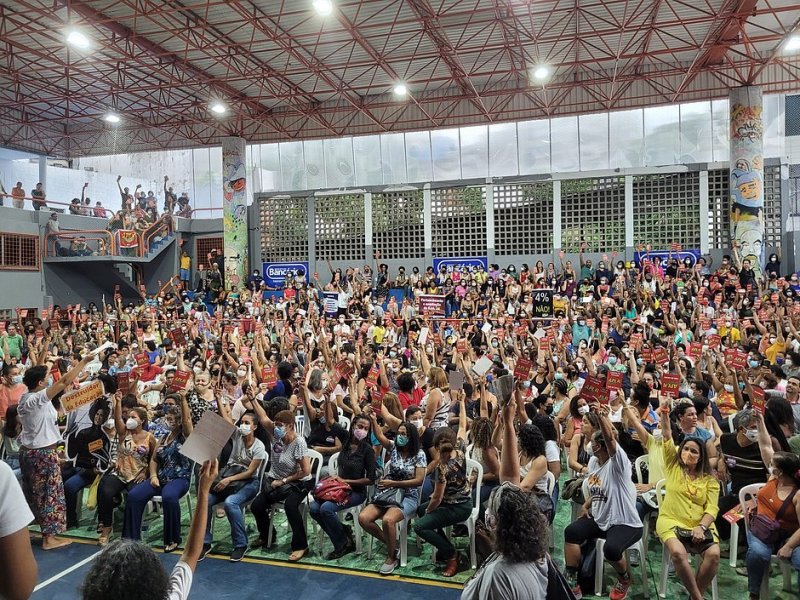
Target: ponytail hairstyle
{"points": [[789, 465]]}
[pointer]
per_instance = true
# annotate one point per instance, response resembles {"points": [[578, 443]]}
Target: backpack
{"points": [[332, 490]]}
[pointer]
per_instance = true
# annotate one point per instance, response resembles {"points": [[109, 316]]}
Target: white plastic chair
{"points": [[599, 562], [666, 559], [642, 464], [344, 422], [749, 495], [333, 467], [402, 534], [156, 502], [316, 468]]}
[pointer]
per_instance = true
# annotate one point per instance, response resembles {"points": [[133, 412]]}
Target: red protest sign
{"points": [[372, 377], [376, 396], [179, 381], [269, 376], [604, 324], [636, 341], [647, 355], [758, 401], [696, 349], [177, 336], [614, 380], [735, 358], [660, 355], [124, 382], [344, 369], [461, 346], [142, 360], [594, 388], [670, 384], [523, 368], [714, 340]]}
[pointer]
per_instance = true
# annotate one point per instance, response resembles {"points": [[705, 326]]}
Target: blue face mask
{"points": [[401, 440], [559, 375], [612, 360], [753, 363], [640, 361], [279, 432]]}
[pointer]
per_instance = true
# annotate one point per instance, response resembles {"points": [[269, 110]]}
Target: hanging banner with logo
{"points": [[661, 257], [274, 274], [127, 238], [467, 262]]}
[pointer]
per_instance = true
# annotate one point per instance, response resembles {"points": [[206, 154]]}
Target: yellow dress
{"points": [[686, 500]]}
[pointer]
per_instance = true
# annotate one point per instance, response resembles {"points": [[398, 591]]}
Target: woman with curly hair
{"points": [[519, 567], [129, 570]]}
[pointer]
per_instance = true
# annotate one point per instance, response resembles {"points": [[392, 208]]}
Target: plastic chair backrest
{"points": [[748, 494], [333, 464], [661, 490], [316, 464], [474, 465], [344, 422], [639, 464], [551, 482], [468, 453]]}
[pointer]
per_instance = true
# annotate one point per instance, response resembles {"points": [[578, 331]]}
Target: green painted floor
{"points": [[730, 584]]}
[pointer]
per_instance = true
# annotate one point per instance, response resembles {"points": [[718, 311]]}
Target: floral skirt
{"points": [[44, 489]]}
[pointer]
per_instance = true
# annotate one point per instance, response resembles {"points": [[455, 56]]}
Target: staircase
{"points": [[125, 271]]}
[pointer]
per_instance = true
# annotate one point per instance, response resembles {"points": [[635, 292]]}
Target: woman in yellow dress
{"points": [[687, 512]]}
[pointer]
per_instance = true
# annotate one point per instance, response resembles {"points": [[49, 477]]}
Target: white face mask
{"points": [[131, 423], [417, 423], [728, 388], [751, 434], [197, 369], [16, 379], [245, 429], [109, 424], [583, 410], [241, 372]]}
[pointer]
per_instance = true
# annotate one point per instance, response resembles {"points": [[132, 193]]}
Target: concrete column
{"points": [[368, 251], [490, 221], [747, 174], [704, 245], [629, 212], [312, 235], [234, 210], [556, 219], [427, 223]]}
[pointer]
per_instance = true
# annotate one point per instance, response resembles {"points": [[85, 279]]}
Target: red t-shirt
{"points": [[412, 399]]}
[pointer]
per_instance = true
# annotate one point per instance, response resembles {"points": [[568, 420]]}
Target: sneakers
{"points": [[576, 591], [572, 581], [388, 568], [204, 552], [620, 589], [238, 554]]}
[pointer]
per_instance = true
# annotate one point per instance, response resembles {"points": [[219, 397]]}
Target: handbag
{"points": [[91, 499], [232, 487], [769, 530], [387, 498], [685, 537], [332, 490], [573, 490]]}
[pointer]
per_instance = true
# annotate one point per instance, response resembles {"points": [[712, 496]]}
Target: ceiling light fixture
{"points": [[112, 118], [323, 7], [792, 44], [79, 40], [219, 108], [400, 90], [541, 73]]}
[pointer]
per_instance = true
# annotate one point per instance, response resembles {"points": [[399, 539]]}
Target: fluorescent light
{"points": [[79, 40], [400, 89], [219, 108], [792, 44], [112, 118], [541, 73], [323, 7]]}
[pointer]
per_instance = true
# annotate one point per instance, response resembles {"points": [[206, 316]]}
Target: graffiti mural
{"points": [[747, 175], [234, 204]]}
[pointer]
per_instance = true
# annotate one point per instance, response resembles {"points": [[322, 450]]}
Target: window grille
{"points": [[666, 210], [459, 221], [203, 246], [523, 218], [284, 228], [398, 224], [719, 209], [19, 252], [339, 226], [773, 223], [593, 211]]}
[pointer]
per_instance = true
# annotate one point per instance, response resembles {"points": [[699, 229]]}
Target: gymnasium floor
{"points": [[61, 574]]}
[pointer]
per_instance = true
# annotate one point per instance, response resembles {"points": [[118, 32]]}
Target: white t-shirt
{"points": [[241, 455], [180, 581], [38, 417], [551, 451], [499, 579], [613, 493], [14, 511]]}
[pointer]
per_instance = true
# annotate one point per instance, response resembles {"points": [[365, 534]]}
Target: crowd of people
{"points": [[695, 367]]}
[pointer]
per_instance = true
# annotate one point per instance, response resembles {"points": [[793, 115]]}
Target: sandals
{"points": [[104, 535], [297, 555], [170, 547]]}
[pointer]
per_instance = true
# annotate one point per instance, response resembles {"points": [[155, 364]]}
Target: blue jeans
{"points": [[82, 478], [233, 509], [138, 498], [757, 561], [427, 488], [326, 514]]}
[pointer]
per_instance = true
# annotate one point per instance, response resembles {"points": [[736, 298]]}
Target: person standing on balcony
{"points": [[52, 224], [38, 197], [170, 199], [18, 196], [98, 210], [185, 269]]}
